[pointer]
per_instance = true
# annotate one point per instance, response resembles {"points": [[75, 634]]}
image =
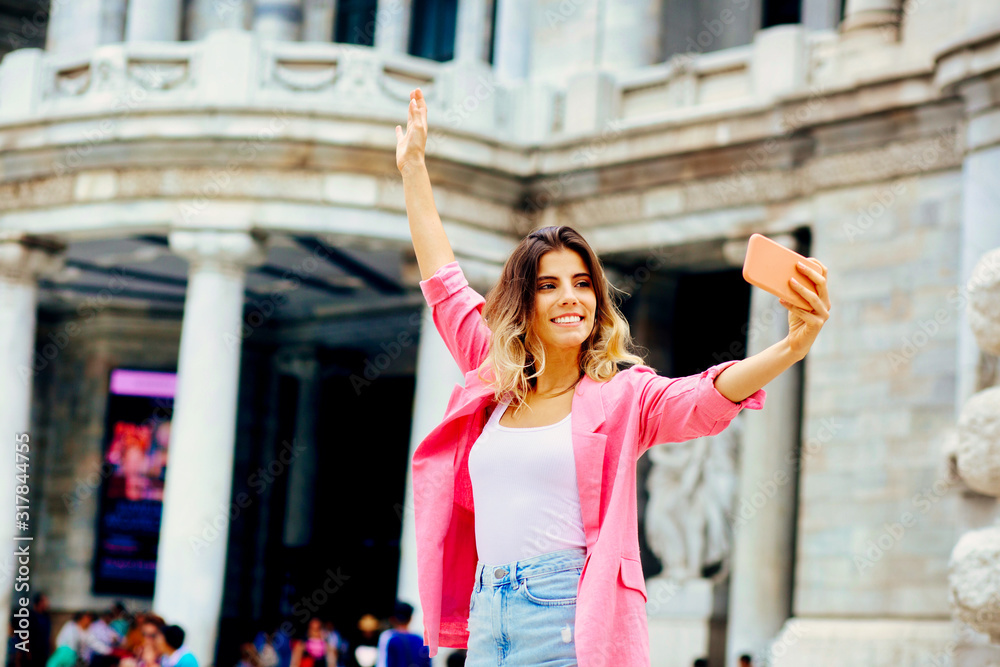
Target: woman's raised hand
{"points": [[410, 144]]}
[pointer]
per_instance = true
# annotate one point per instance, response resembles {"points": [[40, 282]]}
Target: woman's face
{"points": [[564, 288]]}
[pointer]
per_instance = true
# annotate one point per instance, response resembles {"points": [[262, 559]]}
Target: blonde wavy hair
{"points": [[510, 308]]}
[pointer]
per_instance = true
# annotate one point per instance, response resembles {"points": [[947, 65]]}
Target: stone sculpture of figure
{"points": [[692, 490]]}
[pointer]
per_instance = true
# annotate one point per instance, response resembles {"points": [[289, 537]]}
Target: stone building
{"points": [[208, 188]]}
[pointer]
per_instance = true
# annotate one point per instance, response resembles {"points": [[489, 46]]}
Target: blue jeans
{"points": [[522, 613]]}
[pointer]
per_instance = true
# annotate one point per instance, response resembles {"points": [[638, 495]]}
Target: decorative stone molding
{"points": [[974, 581], [24, 258], [225, 250], [984, 302]]}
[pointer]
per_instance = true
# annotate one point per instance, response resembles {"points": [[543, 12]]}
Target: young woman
{"points": [[525, 494]]}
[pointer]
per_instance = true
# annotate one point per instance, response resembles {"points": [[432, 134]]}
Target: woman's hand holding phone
{"points": [[805, 324], [799, 283]]}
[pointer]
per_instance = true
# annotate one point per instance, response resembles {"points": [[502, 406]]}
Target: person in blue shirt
{"points": [[397, 646], [171, 644]]}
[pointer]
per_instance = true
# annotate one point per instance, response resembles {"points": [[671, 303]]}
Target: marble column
{"points": [[204, 16], [702, 27], [437, 374], [22, 260], [392, 25], [79, 26], [302, 475], [278, 19], [629, 34], [474, 30], [153, 20], [866, 15], [980, 232], [760, 584], [821, 14], [512, 45], [318, 18], [191, 559]]}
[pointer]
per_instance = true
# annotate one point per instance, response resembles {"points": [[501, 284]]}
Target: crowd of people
{"points": [[109, 638], [117, 638]]}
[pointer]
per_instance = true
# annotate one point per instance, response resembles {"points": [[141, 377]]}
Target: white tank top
{"points": [[524, 489]]}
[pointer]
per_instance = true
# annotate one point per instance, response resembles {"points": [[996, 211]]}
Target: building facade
{"points": [[205, 192]]}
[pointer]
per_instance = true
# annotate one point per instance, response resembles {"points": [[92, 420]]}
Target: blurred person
{"points": [[397, 646], [365, 650], [40, 624], [15, 658], [102, 631], [171, 646], [274, 648], [457, 658], [334, 639], [746, 660], [149, 652], [74, 642], [121, 621], [313, 651], [701, 662], [249, 656]]}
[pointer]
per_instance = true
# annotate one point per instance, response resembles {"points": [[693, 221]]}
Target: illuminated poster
{"points": [[137, 441]]}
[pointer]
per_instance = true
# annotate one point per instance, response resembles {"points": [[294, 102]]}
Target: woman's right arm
{"points": [[430, 243], [455, 306]]}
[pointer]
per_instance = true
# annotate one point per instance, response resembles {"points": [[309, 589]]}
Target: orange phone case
{"points": [[769, 265]]}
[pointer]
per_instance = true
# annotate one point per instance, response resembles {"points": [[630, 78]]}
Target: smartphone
{"points": [[769, 265]]}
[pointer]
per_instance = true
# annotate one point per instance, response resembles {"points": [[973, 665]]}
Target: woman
{"points": [[525, 496], [314, 651]]}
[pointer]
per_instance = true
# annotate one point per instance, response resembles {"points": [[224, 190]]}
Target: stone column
{"points": [[512, 45], [153, 21], [317, 20], [191, 559], [760, 589], [867, 15], [437, 374], [22, 260], [980, 232], [79, 26], [821, 14], [474, 30], [629, 34], [204, 16], [392, 25], [302, 475], [278, 19]]}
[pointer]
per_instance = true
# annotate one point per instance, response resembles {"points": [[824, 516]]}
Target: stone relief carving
{"points": [[162, 75], [692, 488], [974, 566]]}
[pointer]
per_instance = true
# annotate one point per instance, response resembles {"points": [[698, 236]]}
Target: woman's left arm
{"points": [[740, 380]]}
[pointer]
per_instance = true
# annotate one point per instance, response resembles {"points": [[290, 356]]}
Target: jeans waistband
{"points": [[519, 570]]}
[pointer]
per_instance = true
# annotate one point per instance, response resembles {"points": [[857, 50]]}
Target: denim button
{"points": [[499, 572]]}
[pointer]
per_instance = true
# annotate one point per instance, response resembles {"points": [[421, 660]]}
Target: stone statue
{"points": [[692, 489]]}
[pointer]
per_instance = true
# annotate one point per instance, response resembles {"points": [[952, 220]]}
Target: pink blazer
{"points": [[613, 423]]}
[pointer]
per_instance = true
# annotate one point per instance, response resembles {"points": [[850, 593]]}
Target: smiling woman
{"points": [[526, 520], [552, 320]]}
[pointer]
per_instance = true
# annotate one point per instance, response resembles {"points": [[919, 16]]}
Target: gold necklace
{"points": [[566, 389]]}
